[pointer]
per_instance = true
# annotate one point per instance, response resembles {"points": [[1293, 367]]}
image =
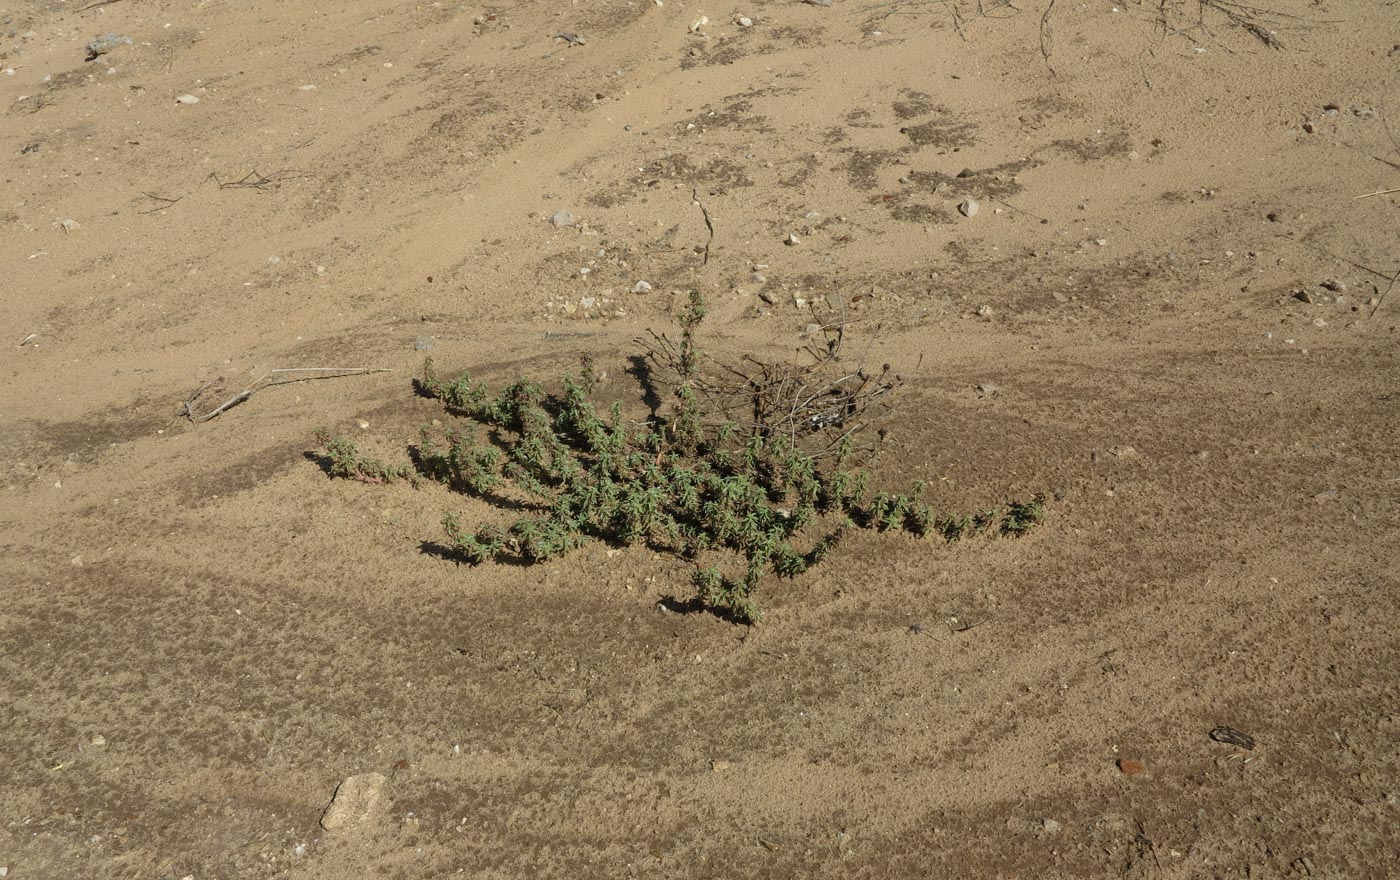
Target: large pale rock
{"points": [[354, 801]]}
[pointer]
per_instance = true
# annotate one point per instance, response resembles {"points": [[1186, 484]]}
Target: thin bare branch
{"points": [[267, 380]]}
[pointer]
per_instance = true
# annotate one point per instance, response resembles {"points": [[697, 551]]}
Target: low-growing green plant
{"points": [[1022, 516], [776, 493], [344, 460]]}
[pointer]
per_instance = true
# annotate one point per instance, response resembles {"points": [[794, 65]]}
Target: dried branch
{"points": [[1047, 37], [814, 405], [257, 181], [695, 194], [268, 380]]}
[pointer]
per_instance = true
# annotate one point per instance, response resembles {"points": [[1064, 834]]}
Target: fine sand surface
{"points": [[1169, 315]]}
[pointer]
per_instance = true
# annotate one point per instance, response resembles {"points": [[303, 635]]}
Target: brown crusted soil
{"points": [[203, 634]]}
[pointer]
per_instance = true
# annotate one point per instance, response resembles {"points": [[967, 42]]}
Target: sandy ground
{"points": [[203, 635]]}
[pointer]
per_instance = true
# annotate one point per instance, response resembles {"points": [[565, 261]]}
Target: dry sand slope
{"points": [[202, 635]]}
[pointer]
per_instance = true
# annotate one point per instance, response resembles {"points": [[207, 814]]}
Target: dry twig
{"points": [[267, 380], [163, 200], [1047, 37], [257, 181], [1380, 299], [815, 405], [695, 194], [1261, 23]]}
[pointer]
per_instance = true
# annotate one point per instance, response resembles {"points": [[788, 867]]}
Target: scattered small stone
{"points": [[1373, 301], [719, 766], [641, 287], [424, 343], [791, 240], [813, 215], [1318, 322], [812, 329], [768, 297], [987, 389], [104, 44], [1334, 285], [354, 801], [562, 218], [1130, 767], [1309, 127], [69, 225], [1272, 217], [187, 99], [969, 208], [98, 740], [817, 2], [299, 849], [1364, 112], [758, 278], [699, 24], [1302, 296], [744, 21], [1049, 825], [984, 311]]}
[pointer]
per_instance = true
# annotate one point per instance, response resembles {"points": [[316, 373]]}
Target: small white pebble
{"points": [[187, 99]]}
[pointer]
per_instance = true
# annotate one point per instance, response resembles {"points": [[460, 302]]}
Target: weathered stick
{"points": [[262, 382]]}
